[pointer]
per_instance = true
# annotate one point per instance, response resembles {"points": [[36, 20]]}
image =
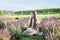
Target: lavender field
{"points": [[29, 19], [11, 28]]}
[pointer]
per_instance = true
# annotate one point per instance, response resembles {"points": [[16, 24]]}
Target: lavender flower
{"points": [[46, 22]]}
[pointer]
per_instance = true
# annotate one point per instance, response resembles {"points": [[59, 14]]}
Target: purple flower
{"points": [[57, 23], [46, 22], [45, 19], [52, 18], [22, 21]]}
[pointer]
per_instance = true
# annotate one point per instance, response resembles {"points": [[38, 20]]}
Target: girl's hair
{"points": [[34, 25]]}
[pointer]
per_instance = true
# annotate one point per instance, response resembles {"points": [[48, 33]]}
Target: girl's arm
{"points": [[37, 22], [28, 24]]}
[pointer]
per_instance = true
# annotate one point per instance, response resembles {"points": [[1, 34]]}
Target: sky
{"points": [[28, 4]]}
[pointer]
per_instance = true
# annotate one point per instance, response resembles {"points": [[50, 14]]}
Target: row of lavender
{"points": [[45, 21], [46, 24], [10, 22]]}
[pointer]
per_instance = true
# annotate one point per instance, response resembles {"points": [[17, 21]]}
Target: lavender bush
{"points": [[51, 24]]}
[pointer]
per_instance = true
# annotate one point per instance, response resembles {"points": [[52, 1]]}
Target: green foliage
{"points": [[16, 33], [40, 11], [35, 37], [45, 31], [2, 25], [17, 13], [0, 12]]}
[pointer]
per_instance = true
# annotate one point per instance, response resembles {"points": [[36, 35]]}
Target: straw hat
{"points": [[29, 31]]}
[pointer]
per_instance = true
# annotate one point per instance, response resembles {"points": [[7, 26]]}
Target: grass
{"points": [[35, 37]]}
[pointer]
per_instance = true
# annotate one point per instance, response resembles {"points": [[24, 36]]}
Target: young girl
{"points": [[32, 24]]}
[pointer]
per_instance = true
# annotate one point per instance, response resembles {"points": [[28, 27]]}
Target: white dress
{"points": [[31, 31]]}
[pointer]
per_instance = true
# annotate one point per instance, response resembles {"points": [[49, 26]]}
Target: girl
{"points": [[33, 22], [32, 25]]}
